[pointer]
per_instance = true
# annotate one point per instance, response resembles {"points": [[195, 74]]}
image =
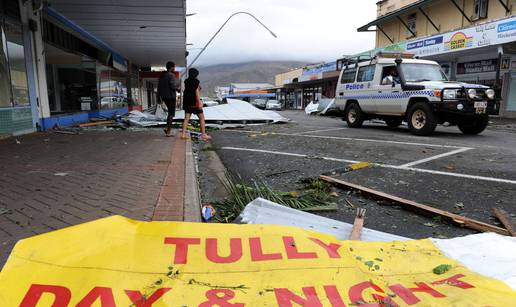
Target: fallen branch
{"points": [[506, 221], [356, 232], [461, 220]]}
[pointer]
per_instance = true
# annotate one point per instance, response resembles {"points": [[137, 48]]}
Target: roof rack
{"points": [[346, 61], [395, 55]]}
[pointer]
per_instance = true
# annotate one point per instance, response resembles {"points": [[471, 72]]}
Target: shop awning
{"points": [[394, 14], [148, 33]]}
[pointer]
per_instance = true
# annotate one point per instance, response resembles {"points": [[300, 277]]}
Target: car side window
{"points": [[348, 76], [366, 73]]}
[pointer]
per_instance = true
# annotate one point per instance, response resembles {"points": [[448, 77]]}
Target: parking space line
{"points": [[418, 170], [355, 139], [447, 154], [317, 131]]}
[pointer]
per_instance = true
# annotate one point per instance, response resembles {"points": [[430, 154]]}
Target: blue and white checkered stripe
{"points": [[396, 95]]}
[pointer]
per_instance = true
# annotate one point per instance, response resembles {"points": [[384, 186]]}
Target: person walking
{"points": [[192, 103], [167, 89]]}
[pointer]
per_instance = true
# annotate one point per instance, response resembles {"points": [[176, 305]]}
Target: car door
{"points": [[388, 95], [364, 88]]}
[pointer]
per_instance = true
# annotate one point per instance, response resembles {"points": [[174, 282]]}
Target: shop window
{"points": [[5, 79], [366, 73], [348, 76], [480, 9], [18, 71]]}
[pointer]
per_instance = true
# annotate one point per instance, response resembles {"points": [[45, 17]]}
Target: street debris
{"points": [[61, 174], [460, 220], [347, 169], [234, 113], [208, 212], [116, 266], [97, 123], [323, 106], [356, 233], [4, 210], [506, 220], [314, 197]]}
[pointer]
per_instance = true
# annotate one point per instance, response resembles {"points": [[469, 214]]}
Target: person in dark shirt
{"points": [[192, 103], [167, 89]]}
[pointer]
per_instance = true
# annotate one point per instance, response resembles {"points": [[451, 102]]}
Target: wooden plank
{"points": [[506, 220], [461, 220], [105, 122], [356, 232]]}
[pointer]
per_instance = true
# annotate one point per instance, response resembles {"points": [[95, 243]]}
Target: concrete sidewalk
{"points": [[51, 181]]}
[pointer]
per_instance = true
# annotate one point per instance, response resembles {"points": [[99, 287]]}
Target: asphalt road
{"points": [[467, 175]]}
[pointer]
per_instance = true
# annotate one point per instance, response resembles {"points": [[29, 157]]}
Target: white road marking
{"points": [[353, 139], [317, 131], [418, 170], [447, 154]]}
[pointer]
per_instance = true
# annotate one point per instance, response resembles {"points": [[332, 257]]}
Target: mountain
{"points": [[255, 72]]}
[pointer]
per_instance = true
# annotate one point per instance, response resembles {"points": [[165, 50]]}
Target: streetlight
{"points": [[220, 29]]}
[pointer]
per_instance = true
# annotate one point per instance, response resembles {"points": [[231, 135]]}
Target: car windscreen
{"points": [[415, 72]]}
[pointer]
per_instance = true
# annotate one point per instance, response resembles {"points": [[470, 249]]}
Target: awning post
{"points": [[461, 11], [429, 20], [406, 26], [388, 37]]}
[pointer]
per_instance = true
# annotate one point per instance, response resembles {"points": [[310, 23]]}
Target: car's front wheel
{"points": [[474, 126], [354, 116], [422, 119]]}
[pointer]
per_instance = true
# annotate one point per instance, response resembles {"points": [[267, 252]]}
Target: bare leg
{"points": [[202, 121], [185, 125]]}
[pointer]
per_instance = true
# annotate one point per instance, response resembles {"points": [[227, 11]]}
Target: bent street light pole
{"points": [[220, 29]]}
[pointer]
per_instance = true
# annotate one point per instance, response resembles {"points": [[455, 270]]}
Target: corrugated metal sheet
{"points": [[262, 211]]}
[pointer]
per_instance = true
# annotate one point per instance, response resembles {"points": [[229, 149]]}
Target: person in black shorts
{"points": [[167, 89], [192, 103]]}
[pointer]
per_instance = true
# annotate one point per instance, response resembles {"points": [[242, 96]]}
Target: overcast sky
{"points": [[307, 30]]}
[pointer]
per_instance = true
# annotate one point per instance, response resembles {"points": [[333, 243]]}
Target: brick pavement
{"points": [[50, 181]]}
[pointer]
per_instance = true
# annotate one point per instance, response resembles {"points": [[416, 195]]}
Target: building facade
{"points": [[473, 40], [65, 62]]}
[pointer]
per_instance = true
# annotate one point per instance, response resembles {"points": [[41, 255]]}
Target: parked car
{"points": [[398, 88], [273, 105], [260, 103]]}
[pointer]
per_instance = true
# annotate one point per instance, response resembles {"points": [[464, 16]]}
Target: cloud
{"points": [[307, 30]]}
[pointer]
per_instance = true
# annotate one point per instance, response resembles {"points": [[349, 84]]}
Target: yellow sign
{"points": [[120, 262], [459, 40]]}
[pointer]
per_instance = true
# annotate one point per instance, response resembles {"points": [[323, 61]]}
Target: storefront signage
{"points": [[488, 34], [459, 40], [477, 67]]}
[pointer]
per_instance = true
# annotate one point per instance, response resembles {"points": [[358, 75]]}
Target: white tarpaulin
{"points": [[235, 111], [488, 254]]}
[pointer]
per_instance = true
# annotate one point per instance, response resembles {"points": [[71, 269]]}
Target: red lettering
{"points": [[62, 295], [212, 251], [331, 249], [455, 282], [356, 297], [407, 294], [293, 253], [104, 294], [141, 301], [181, 253], [257, 254], [285, 298], [333, 296], [220, 298]]}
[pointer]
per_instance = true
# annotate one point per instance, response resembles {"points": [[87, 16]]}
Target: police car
{"points": [[398, 87]]}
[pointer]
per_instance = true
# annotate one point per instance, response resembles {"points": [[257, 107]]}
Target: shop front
{"points": [[15, 106], [85, 79]]}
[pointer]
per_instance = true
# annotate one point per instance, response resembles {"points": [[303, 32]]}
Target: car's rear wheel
{"points": [[474, 126], [354, 116], [421, 119], [393, 122]]}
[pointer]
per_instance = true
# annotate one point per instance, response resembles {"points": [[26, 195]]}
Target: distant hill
{"points": [[255, 72]]}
